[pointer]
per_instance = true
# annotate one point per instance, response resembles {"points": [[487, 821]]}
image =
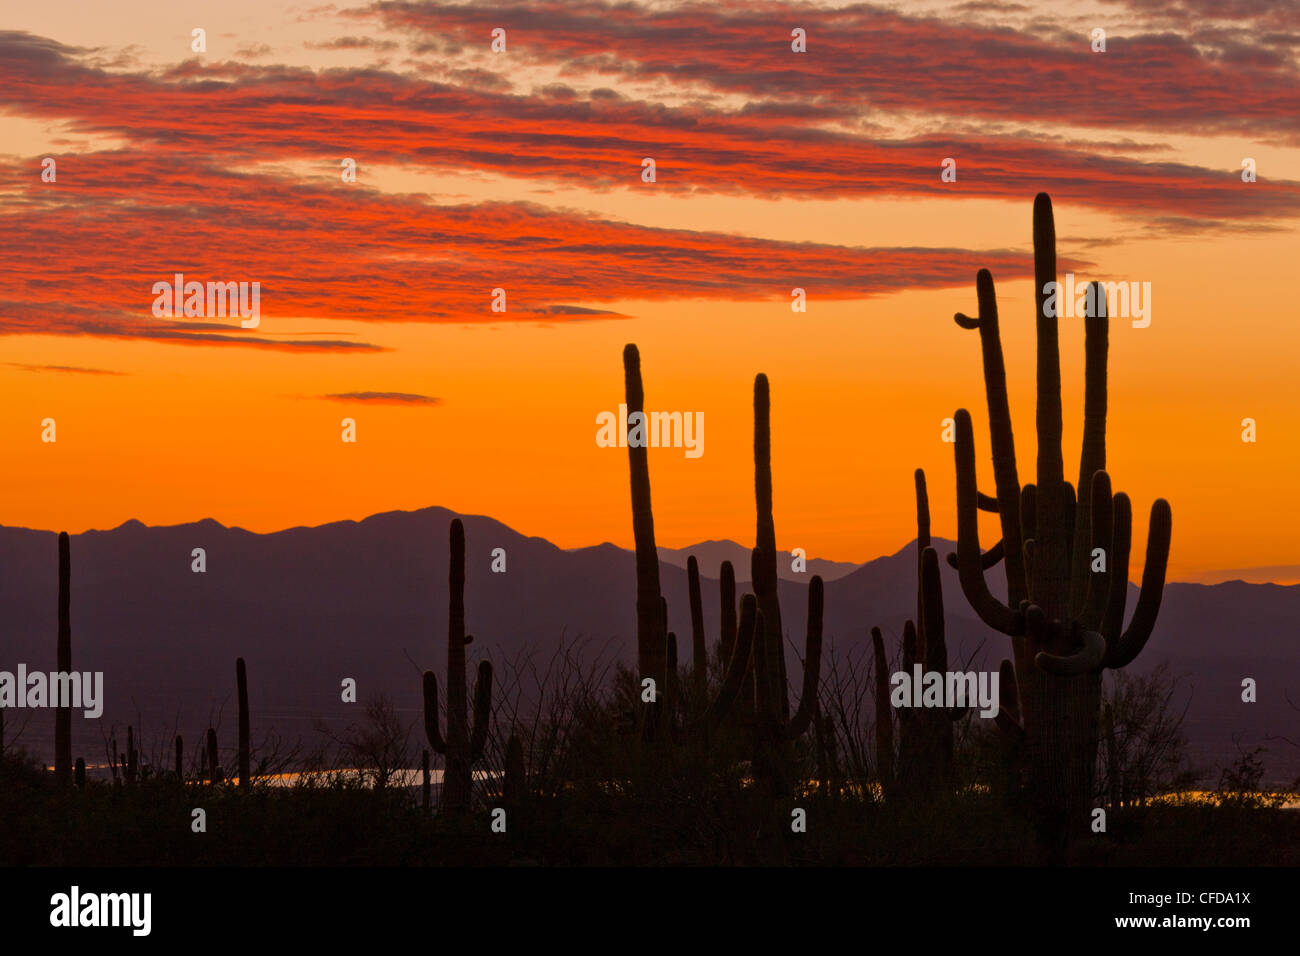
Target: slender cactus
{"points": [[63, 715], [650, 629], [775, 728], [699, 648], [241, 680], [180, 753], [214, 758], [461, 748], [79, 774], [885, 758], [1066, 560]]}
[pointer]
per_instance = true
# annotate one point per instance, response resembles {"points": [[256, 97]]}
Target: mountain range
{"points": [[308, 607]]}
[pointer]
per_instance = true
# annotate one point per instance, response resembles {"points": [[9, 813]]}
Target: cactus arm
{"points": [[1112, 624], [1097, 583], [1029, 511], [1087, 658], [812, 662], [991, 611], [1005, 475], [1092, 456], [1051, 469], [1153, 584], [700, 652], [737, 665], [727, 587], [431, 730], [936, 650], [987, 560], [482, 710]]}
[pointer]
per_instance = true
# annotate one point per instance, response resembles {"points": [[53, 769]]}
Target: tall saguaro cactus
{"points": [[245, 769], [1066, 560], [651, 650], [63, 715], [764, 561], [769, 641], [462, 747]]}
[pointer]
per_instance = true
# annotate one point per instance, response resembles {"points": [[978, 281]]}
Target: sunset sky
{"points": [[522, 170]]}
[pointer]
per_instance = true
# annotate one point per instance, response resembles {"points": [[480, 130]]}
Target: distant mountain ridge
{"points": [[367, 599]]}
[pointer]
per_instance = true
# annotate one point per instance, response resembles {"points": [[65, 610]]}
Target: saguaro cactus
{"points": [[462, 747], [214, 758], [132, 755], [79, 774], [925, 749], [769, 642], [63, 715], [650, 626], [1066, 561], [241, 679]]}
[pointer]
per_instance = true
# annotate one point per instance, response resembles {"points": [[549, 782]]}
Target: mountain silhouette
{"points": [[308, 607]]}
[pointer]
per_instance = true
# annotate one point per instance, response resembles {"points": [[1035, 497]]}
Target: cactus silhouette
{"points": [[79, 774], [180, 753], [63, 715], [885, 757], [214, 758], [241, 680], [1066, 561], [462, 747], [924, 764], [656, 646], [651, 627], [775, 728]]}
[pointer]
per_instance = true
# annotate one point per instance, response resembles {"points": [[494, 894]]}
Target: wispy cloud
{"points": [[385, 398]]}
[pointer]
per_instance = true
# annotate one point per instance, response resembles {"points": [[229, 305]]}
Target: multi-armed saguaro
{"points": [[461, 747], [1066, 561]]}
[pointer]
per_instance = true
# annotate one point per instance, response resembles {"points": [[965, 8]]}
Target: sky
{"points": [[522, 169]]}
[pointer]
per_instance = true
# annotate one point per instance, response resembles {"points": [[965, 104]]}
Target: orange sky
{"points": [[515, 170]]}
